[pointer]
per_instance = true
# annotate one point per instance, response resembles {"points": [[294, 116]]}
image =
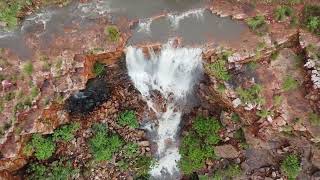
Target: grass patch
{"points": [[197, 145], [251, 95], [257, 24], [291, 167], [112, 32], [289, 83], [66, 132], [282, 12], [219, 67], [104, 145], [98, 69], [128, 118], [311, 18]]}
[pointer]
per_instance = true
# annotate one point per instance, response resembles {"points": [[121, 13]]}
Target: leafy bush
{"points": [[197, 145], [219, 67], [98, 69], [57, 170], [290, 166], [102, 145], [66, 132], [128, 118], [43, 147], [230, 172], [311, 18], [257, 24], [289, 84], [251, 95], [112, 33], [282, 12]]}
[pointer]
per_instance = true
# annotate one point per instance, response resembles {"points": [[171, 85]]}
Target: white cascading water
{"points": [[174, 18], [172, 72]]}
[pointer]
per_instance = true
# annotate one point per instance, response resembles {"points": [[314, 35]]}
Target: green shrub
{"points": [[311, 18], [98, 69], [112, 33], [128, 118], [102, 145], [282, 12], [314, 119], [57, 170], [131, 150], [289, 84], [197, 145], [219, 67], [43, 147], [207, 128], [251, 95], [290, 166], [28, 68], [257, 24], [66, 132]]}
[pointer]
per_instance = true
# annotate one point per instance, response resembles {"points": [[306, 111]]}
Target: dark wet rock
{"points": [[83, 102]]}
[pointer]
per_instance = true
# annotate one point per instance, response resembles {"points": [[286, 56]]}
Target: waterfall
{"points": [[172, 72]]}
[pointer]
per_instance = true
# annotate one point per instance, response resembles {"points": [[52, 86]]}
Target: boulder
{"points": [[227, 151]]}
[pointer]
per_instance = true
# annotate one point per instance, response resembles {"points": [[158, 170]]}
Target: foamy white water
{"points": [[173, 72], [145, 24], [176, 18]]}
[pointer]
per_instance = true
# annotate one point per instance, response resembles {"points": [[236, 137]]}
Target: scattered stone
{"points": [[236, 102]]}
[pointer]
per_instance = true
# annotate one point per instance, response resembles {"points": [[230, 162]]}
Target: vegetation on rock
{"points": [[232, 171], [311, 18], [103, 145], [66, 132], [251, 94], [257, 24], [289, 84], [98, 69], [314, 119], [128, 118], [291, 167], [112, 33], [43, 148], [282, 12], [57, 170], [219, 67], [197, 146]]}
